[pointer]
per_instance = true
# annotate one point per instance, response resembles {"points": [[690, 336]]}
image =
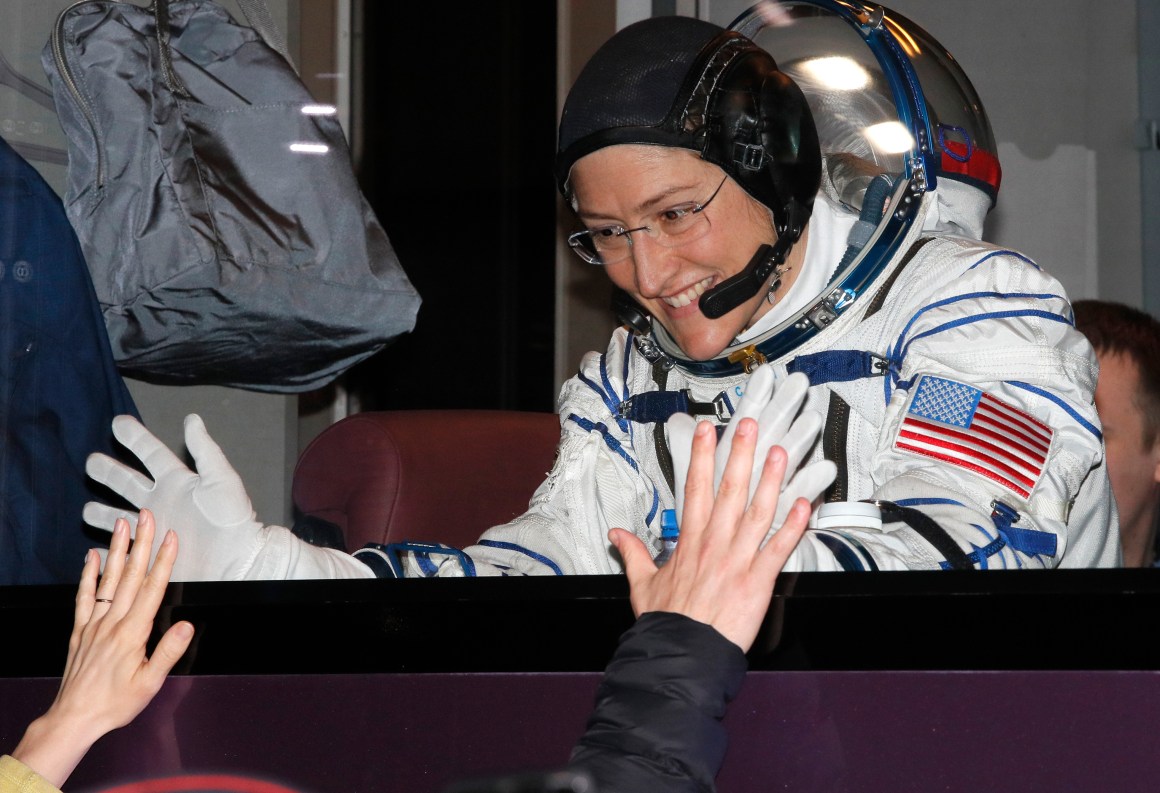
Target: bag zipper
{"points": [[70, 83]]}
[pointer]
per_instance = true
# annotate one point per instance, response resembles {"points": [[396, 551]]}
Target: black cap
{"points": [[627, 90], [685, 83]]}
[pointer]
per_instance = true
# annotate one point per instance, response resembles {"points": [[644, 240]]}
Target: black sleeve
{"points": [[657, 721]]}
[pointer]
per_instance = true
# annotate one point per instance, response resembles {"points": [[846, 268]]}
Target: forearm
{"points": [[16, 777], [282, 556], [52, 747]]}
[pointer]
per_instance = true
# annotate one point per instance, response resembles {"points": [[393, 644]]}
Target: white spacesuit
{"points": [[961, 322], [953, 383], [957, 396]]}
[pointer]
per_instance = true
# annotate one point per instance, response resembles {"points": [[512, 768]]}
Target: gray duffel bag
{"points": [[215, 201]]}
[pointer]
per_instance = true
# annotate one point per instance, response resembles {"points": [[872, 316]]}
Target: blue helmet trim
{"points": [[848, 287], [918, 178], [896, 67]]}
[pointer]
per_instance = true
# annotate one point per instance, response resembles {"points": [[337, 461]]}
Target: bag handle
{"points": [[258, 16]]}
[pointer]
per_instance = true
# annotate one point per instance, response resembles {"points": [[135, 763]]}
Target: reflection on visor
{"points": [[879, 85], [890, 137], [895, 115], [836, 73]]}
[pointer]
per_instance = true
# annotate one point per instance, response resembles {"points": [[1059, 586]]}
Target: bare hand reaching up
{"points": [[723, 570], [108, 679]]}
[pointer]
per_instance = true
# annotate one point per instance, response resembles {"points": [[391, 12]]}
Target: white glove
{"points": [[776, 411], [210, 511]]}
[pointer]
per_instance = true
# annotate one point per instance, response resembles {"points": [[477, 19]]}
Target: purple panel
{"points": [[790, 731], [945, 731]]}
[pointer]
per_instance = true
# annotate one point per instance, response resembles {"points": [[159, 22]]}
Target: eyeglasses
{"points": [[672, 227]]}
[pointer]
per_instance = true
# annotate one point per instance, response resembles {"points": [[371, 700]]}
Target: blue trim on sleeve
{"points": [[428, 567], [1030, 541], [927, 502], [979, 555], [972, 296], [621, 421], [652, 511], [612, 443], [1005, 252], [511, 546], [897, 359], [610, 401], [846, 556], [1087, 425], [900, 354], [897, 353]]}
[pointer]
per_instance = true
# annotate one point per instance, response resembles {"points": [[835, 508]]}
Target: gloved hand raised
{"points": [[776, 409], [209, 509]]}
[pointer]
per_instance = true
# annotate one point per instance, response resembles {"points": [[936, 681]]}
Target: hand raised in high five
{"points": [[108, 678], [723, 570], [777, 407]]}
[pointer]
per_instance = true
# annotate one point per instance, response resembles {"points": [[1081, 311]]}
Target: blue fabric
{"points": [[656, 407], [847, 558], [837, 366], [979, 556], [1027, 541], [511, 546], [610, 399], [59, 387], [612, 443], [1087, 425]]}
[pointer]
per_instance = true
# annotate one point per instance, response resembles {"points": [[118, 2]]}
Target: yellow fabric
{"points": [[16, 777]]}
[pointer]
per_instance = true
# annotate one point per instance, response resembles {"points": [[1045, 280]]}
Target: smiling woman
{"points": [[627, 183], [957, 397]]}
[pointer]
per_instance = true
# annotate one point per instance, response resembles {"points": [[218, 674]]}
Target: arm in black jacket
{"points": [[657, 722]]}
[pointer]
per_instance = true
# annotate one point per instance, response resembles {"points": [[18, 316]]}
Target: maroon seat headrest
{"points": [[429, 475]]}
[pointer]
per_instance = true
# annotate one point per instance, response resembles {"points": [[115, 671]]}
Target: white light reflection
{"points": [[319, 110], [310, 148], [837, 73], [773, 14], [890, 137]]}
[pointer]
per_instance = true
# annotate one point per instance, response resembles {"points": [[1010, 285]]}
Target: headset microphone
{"points": [[767, 261], [735, 290], [721, 299]]}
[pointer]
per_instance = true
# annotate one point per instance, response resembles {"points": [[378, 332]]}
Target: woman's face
{"points": [[630, 185]]}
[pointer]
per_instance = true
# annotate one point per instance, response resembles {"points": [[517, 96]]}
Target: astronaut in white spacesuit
{"points": [[767, 263]]}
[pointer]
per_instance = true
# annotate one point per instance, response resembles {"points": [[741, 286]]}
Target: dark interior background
{"points": [[458, 138]]}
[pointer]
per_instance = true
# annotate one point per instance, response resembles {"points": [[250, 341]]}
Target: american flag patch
{"points": [[963, 426]]}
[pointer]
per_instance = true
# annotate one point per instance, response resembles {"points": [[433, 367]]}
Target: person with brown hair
{"points": [[1127, 344]]}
